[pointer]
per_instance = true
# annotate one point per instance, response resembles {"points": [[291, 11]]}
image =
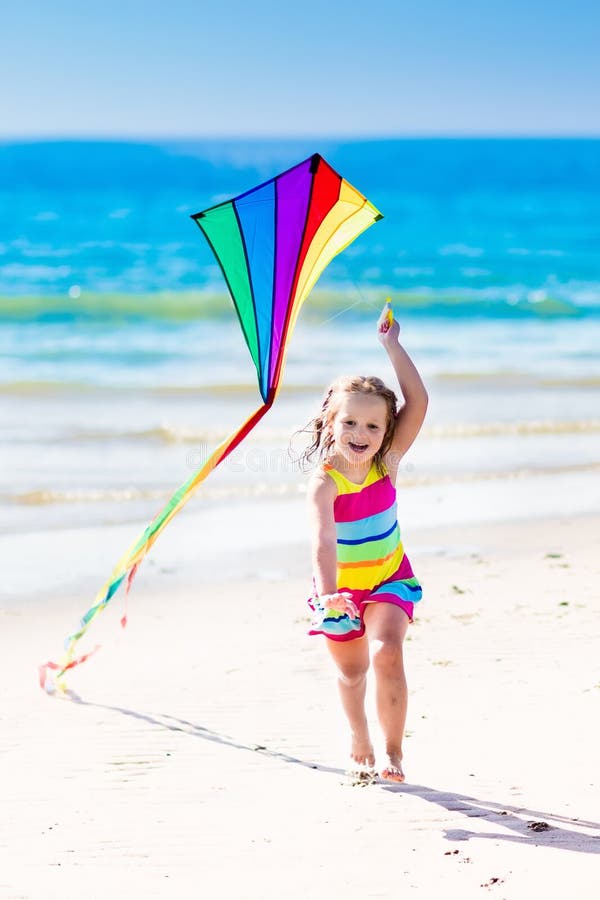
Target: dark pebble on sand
{"points": [[539, 826]]}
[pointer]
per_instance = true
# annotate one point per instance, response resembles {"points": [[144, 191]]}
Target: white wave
{"points": [[461, 250]]}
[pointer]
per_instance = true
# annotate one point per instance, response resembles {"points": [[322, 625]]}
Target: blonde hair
{"points": [[322, 438]]}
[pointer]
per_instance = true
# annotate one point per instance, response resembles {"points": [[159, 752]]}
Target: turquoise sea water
{"points": [[103, 273], [508, 221], [122, 360]]}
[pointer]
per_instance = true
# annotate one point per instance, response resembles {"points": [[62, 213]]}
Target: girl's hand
{"points": [[388, 334], [341, 602]]}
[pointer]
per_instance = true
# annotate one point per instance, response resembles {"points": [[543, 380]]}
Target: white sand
{"points": [[206, 752]]}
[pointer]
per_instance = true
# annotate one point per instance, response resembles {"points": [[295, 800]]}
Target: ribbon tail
{"points": [[127, 567]]}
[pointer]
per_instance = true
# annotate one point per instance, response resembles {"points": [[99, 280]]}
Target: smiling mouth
{"points": [[358, 448]]}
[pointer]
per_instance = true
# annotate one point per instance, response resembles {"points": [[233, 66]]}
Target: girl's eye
{"points": [[349, 422], [373, 427]]}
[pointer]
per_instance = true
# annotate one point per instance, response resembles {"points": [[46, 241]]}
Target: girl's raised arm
{"points": [[412, 413]]}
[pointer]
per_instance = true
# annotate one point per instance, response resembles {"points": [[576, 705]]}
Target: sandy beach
{"points": [[202, 749]]}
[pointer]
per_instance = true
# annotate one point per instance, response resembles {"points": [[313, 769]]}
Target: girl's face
{"points": [[358, 427]]}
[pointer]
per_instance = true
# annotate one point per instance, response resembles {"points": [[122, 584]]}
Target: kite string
{"points": [[340, 313], [361, 299]]}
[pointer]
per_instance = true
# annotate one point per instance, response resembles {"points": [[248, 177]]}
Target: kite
{"points": [[272, 244]]}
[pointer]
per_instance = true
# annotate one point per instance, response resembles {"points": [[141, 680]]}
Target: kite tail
{"points": [[126, 568]]}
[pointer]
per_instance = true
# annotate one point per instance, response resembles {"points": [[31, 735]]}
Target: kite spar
{"points": [[272, 244]]}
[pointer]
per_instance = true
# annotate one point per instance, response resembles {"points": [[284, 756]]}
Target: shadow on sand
{"points": [[524, 826]]}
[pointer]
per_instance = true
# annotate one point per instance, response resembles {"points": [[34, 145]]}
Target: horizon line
{"points": [[103, 137]]}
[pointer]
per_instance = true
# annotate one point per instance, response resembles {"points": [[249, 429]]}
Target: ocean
{"points": [[123, 363]]}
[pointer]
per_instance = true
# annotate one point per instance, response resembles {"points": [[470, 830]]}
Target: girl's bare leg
{"points": [[386, 626], [352, 661]]}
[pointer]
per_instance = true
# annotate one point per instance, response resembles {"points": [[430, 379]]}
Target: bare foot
{"points": [[393, 771], [361, 751]]}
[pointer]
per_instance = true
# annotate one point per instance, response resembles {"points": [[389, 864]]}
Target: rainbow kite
{"points": [[272, 244]]}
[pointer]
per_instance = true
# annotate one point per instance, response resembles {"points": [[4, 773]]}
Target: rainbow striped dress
{"points": [[371, 563]]}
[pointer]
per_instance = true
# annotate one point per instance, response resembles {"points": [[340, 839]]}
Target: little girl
{"points": [[364, 585]]}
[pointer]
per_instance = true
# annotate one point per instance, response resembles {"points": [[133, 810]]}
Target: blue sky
{"points": [[154, 68]]}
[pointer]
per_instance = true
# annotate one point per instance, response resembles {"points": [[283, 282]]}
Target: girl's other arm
{"points": [[321, 495], [411, 415]]}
